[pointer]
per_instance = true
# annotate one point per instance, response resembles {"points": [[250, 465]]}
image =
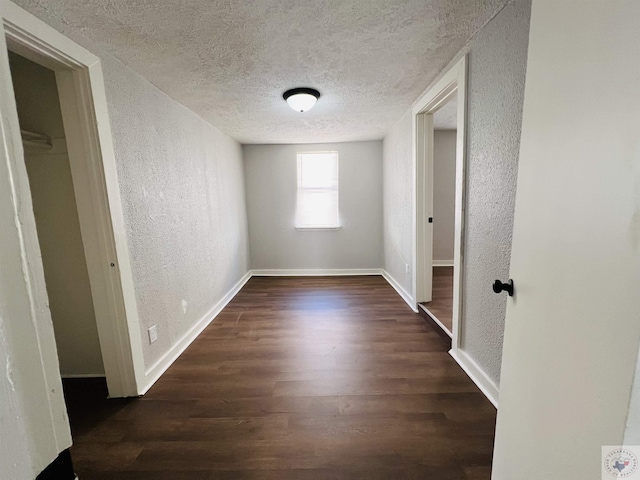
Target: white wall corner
{"points": [[475, 373], [401, 291], [153, 373]]}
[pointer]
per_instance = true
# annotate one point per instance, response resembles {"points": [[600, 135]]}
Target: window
{"points": [[317, 204]]}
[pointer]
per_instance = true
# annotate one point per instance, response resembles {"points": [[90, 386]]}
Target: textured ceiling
{"points": [[230, 61], [446, 118]]}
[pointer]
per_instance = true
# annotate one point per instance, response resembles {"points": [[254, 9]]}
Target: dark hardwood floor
{"points": [[441, 305], [298, 378]]}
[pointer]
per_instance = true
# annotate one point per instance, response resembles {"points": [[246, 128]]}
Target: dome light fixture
{"points": [[301, 99]]}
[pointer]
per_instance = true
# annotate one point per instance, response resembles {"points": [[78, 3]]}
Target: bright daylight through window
{"points": [[317, 203]]}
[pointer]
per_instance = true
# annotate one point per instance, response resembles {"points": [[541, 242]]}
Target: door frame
{"points": [[453, 82], [95, 182]]}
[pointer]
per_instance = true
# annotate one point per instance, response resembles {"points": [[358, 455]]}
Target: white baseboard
{"points": [[475, 373], [82, 375], [314, 272], [401, 291], [442, 263], [153, 374]]}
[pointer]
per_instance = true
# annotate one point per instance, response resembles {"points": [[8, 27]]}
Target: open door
{"points": [[573, 326]]}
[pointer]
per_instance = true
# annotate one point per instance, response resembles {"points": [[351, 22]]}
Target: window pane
{"points": [[317, 203], [319, 170]]}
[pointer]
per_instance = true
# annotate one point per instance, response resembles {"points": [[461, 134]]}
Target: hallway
{"points": [[298, 378]]}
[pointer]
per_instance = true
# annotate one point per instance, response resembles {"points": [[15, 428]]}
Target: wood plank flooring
{"points": [[297, 378], [441, 304]]}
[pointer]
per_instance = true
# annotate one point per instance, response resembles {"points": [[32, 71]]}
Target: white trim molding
{"points": [[153, 373], [452, 84], [401, 291], [475, 373], [313, 272]]}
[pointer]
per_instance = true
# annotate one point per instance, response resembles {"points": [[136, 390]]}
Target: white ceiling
{"points": [[446, 118], [230, 61]]}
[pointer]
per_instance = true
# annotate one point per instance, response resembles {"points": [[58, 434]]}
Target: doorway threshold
{"points": [[436, 324]]}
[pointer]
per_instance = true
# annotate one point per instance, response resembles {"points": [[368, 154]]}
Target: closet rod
{"points": [[33, 139]]}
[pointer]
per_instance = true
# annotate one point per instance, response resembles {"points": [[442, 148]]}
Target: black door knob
{"points": [[498, 287]]}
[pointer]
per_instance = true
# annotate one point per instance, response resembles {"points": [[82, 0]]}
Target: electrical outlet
{"points": [[406, 268], [153, 334]]}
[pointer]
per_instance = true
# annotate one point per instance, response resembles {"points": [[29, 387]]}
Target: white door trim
{"points": [[453, 82], [93, 167]]}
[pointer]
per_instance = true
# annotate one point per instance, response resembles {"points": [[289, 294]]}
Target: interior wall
{"points": [[182, 187], [496, 72], [271, 183], [398, 202], [444, 195], [56, 215]]}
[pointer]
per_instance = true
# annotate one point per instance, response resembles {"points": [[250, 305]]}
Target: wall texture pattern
{"points": [[398, 202], [182, 186], [271, 182], [497, 67]]}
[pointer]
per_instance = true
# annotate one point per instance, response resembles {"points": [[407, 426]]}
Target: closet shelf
{"points": [[32, 139]]}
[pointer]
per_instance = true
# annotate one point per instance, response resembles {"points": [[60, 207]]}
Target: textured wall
{"points": [[444, 194], [55, 211], [398, 202], [182, 186], [497, 67], [271, 182], [497, 64]]}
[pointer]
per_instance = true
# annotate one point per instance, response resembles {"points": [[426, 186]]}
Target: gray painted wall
{"points": [[271, 184], [398, 202], [497, 64], [444, 194], [55, 211], [182, 188]]}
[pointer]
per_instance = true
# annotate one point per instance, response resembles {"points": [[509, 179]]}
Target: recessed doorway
{"points": [[445, 125], [439, 142]]}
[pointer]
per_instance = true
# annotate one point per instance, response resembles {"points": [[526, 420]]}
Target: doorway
{"points": [[55, 211], [92, 174], [439, 145], [440, 308]]}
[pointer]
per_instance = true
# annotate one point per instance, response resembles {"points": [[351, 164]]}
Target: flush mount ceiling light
{"points": [[301, 99]]}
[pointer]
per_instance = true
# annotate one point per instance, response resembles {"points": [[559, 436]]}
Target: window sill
{"points": [[318, 228]]}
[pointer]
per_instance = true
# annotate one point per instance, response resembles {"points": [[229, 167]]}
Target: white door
{"points": [[573, 326]]}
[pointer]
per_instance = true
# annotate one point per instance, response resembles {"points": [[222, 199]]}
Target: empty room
{"points": [[319, 240]]}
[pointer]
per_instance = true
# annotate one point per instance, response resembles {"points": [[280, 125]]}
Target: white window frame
{"points": [[334, 190]]}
